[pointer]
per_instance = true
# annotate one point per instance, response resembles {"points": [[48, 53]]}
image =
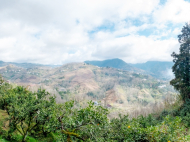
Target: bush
{"points": [[123, 129], [184, 113], [169, 130]]}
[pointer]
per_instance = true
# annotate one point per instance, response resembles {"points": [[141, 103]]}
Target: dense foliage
{"points": [[36, 114]]}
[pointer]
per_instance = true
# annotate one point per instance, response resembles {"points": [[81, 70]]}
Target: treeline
{"points": [[36, 116]]}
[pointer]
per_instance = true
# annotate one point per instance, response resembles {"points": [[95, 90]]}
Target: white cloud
{"points": [[175, 11], [135, 49], [56, 32]]}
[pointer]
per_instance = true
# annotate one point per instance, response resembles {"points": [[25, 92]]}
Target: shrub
{"points": [[169, 130]]}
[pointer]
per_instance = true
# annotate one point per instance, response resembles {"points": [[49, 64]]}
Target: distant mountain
{"points": [[157, 68], [25, 65], [114, 63]]}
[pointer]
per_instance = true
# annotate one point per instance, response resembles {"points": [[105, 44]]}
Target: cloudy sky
{"points": [[62, 31]]}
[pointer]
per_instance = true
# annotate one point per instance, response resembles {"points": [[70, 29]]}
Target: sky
{"points": [[63, 31]]}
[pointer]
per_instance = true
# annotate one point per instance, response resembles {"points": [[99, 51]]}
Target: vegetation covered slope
{"points": [[80, 81]]}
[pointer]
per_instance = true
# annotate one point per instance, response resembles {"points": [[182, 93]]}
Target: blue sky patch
{"points": [[105, 27], [37, 35], [162, 2], [146, 32]]}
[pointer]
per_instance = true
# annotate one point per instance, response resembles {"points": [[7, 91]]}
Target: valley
{"points": [[111, 87]]}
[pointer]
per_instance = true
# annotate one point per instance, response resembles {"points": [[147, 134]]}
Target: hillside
{"points": [[80, 81], [157, 69]]}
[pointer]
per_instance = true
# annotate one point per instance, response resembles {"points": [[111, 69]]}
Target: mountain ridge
{"points": [[158, 69], [114, 63]]}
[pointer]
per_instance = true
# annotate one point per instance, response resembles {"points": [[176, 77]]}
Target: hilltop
{"points": [[114, 63]]}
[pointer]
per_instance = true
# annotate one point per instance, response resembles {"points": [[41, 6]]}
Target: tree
{"points": [[36, 114], [4, 87], [84, 124], [28, 111], [181, 67]]}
